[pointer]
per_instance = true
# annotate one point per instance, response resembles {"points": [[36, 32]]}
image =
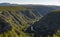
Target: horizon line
{"points": [[31, 4]]}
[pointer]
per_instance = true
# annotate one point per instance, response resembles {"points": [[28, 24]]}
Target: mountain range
{"points": [[20, 17]]}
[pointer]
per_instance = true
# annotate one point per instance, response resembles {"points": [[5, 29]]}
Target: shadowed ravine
{"points": [[4, 26], [47, 26]]}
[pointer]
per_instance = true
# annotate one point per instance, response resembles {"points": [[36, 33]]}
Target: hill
{"points": [[46, 26], [18, 18], [41, 9], [7, 4]]}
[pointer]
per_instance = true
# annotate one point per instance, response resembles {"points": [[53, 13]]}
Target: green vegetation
{"points": [[17, 19]]}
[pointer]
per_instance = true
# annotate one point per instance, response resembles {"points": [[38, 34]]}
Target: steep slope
{"points": [[47, 25], [19, 18], [43, 9]]}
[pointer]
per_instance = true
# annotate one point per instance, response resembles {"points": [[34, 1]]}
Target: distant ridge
{"points": [[7, 4], [42, 9]]}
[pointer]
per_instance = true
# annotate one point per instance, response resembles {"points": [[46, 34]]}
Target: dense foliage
{"points": [[19, 18]]}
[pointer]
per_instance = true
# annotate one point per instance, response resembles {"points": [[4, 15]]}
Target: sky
{"points": [[44, 2]]}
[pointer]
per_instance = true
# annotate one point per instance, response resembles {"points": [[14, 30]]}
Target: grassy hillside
{"points": [[19, 18]]}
